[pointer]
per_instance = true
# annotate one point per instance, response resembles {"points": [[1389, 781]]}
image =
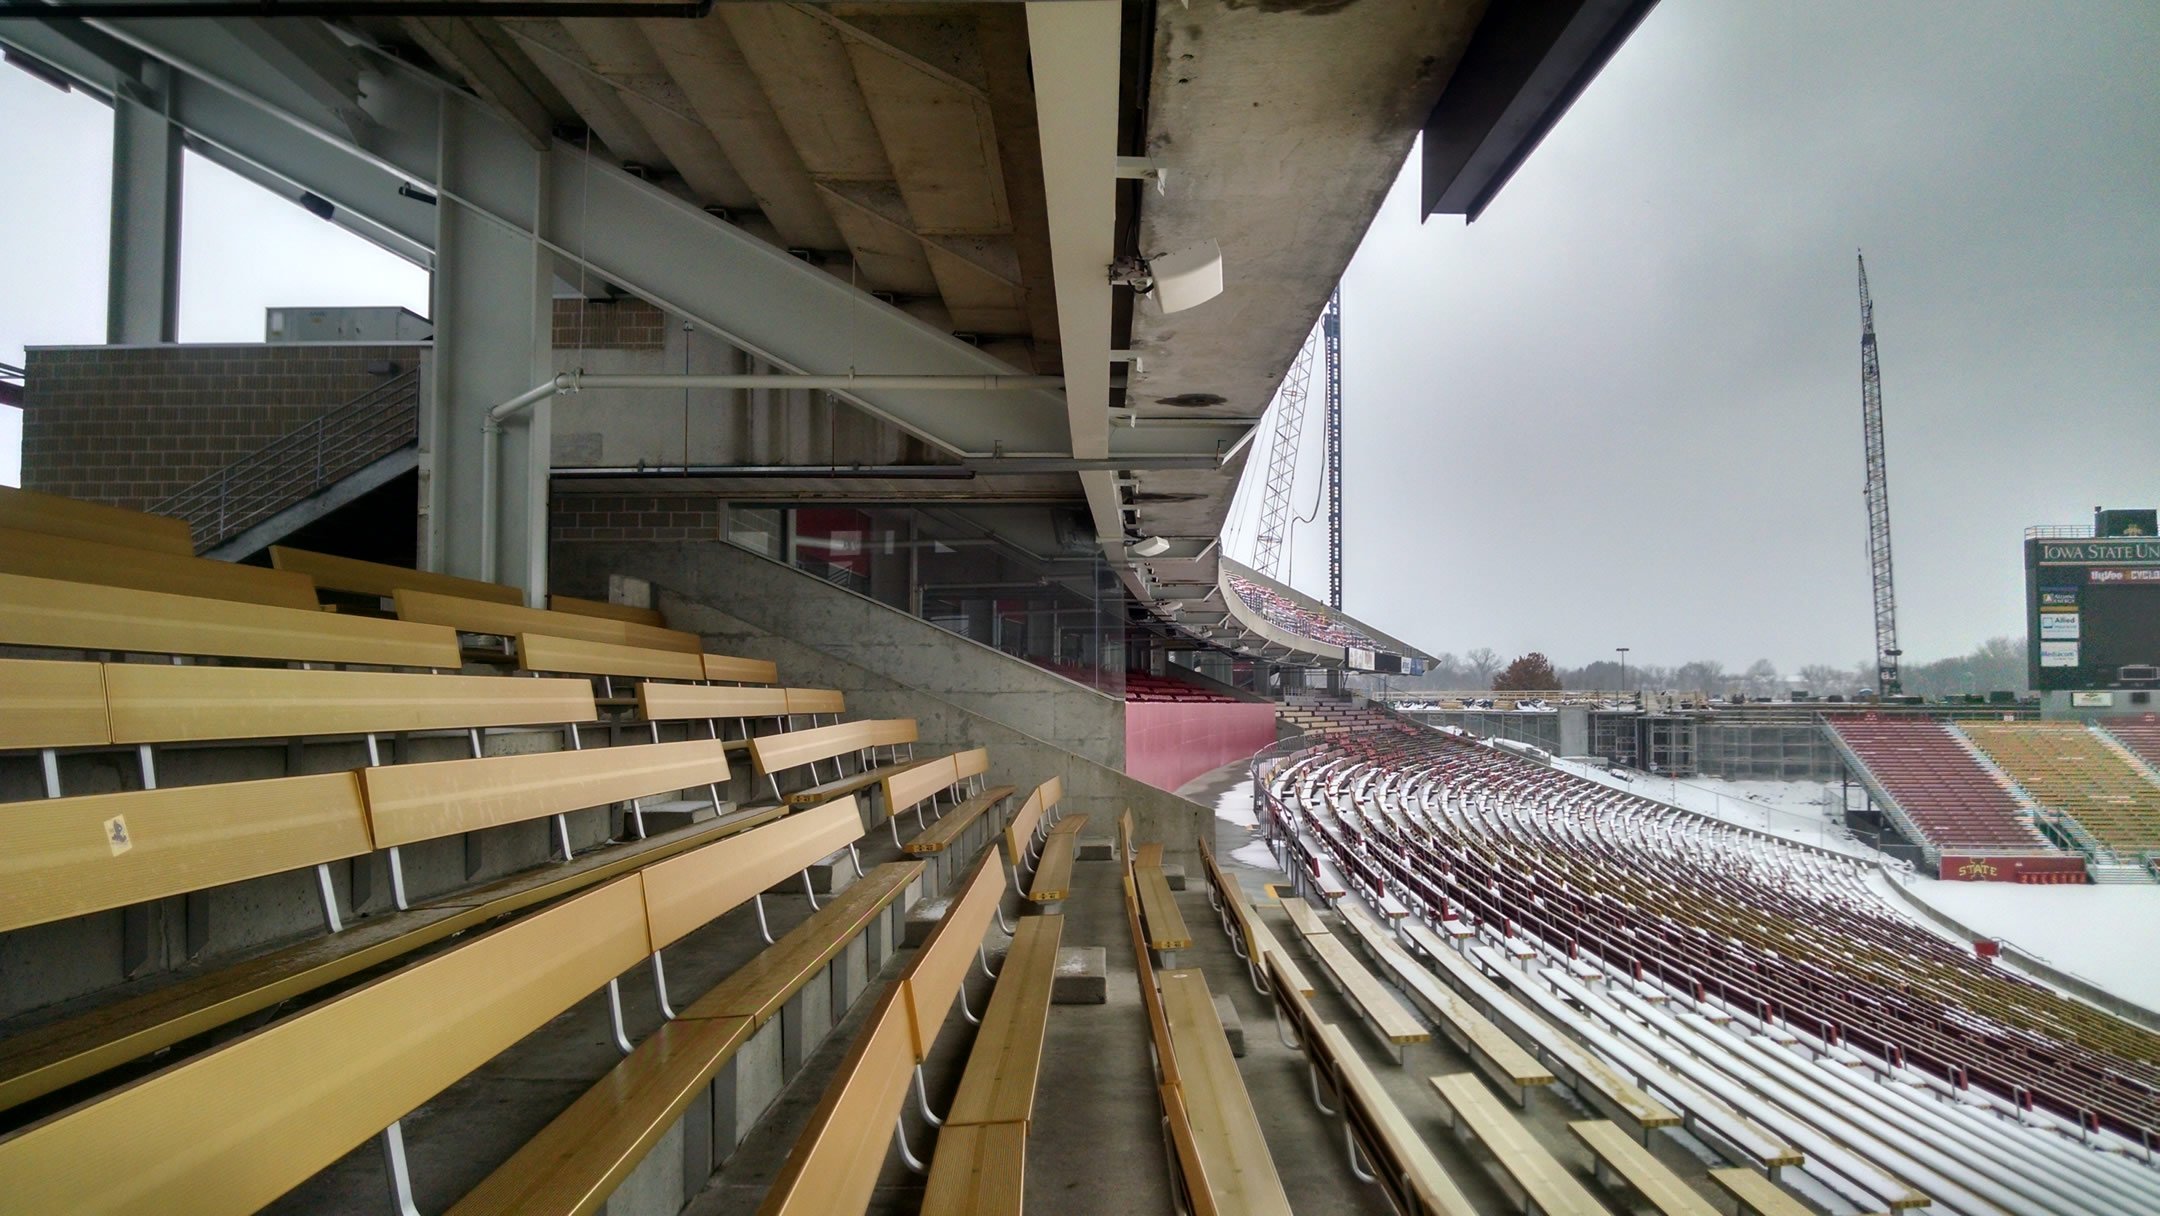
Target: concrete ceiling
{"points": [[894, 144]]}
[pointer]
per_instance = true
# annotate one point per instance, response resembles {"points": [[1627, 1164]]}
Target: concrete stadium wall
{"points": [[1168, 743], [961, 693], [129, 425]]}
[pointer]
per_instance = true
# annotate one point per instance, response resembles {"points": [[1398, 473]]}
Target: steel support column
{"points": [[142, 288], [493, 339]]}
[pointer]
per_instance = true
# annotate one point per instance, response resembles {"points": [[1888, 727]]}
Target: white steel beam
{"points": [[142, 287], [1073, 46]]}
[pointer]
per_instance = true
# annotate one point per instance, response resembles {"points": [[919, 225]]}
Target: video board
{"points": [[2092, 609]]}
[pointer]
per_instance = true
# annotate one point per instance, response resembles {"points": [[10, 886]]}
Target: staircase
{"points": [[266, 494]]}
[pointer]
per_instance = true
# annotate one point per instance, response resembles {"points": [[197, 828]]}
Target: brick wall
{"points": [[623, 324], [131, 425], [634, 517]]}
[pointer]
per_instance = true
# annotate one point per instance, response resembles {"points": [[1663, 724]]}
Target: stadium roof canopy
{"points": [[895, 188]]}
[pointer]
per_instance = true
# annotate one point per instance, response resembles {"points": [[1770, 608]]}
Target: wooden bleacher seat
{"points": [[573, 656], [1757, 1195], [1591, 1077], [1382, 1009], [510, 620], [836, 1161], [978, 800], [52, 704], [1159, 911], [1235, 1169], [414, 802], [998, 1085], [424, 1026], [77, 855], [74, 519], [238, 1126], [995, 1106], [1617, 1152], [611, 611], [1248, 933], [1302, 917], [65, 615], [731, 670], [1394, 1150], [1502, 1058], [907, 790], [71, 559], [1052, 880], [158, 703], [772, 755], [350, 574], [1534, 1172]]}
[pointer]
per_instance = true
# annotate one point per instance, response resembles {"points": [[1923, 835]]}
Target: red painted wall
{"points": [[1168, 743], [1960, 867]]}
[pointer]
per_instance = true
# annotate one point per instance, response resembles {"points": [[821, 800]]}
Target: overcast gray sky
{"points": [[1622, 409]]}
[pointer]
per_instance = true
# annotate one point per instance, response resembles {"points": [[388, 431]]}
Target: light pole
{"points": [[1623, 667]]}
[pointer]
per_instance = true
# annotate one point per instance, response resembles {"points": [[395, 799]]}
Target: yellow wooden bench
{"points": [[1757, 1195], [1377, 1130], [576, 656], [969, 768], [1159, 911], [158, 703], [238, 1126], [771, 755], [731, 670], [1303, 918], [980, 1165], [350, 574], [37, 555], [629, 613], [810, 702], [1592, 1077], [73, 856], [1502, 1058], [835, 1163], [49, 704], [1250, 937], [1382, 1009], [1618, 1154], [74, 519], [908, 789], [575, 1162], [1236, 1173], [1052, 880], [1530, 1169], [510, 620], [80, 616], [414, 802]]}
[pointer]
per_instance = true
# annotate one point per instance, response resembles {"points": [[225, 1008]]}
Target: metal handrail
{"points": [[299, 463]]}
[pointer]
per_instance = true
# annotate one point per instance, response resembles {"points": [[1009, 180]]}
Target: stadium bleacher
{"points": [[1285, 613], [2141, 736], [1757, 984], [1140, 686], [1945, 792], [2069, 768], [1311, 713], [265, 1051]]}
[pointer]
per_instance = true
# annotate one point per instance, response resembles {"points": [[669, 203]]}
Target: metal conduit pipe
{"points": [[572, 382]]}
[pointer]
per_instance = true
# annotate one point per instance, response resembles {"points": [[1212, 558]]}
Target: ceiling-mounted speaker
{"points": [[1188, 276]]}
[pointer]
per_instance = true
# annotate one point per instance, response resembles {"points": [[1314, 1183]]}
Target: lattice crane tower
{"points": [[1331, 327], [1878, 498], [1282, 459]]}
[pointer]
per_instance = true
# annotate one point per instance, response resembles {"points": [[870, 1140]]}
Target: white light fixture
{"points": [[1152, 546], [1188, 276]]}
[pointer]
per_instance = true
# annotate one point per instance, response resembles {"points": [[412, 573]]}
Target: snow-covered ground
{"points": [[1802, 811], [2107, 935], [1235, 805]]}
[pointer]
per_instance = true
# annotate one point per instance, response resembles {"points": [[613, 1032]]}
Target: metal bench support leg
{"points": [[1350, 1142], [659, 979], [907, 1156], [393, 1151], [615, 1022], [764, 931], [329, 898], [397, 880], [809, 890], [922, 1099]]}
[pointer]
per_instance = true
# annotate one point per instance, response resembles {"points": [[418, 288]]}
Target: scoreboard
{"points": [[2092, 612]]}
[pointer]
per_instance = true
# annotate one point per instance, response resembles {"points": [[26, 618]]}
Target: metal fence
{"points": [[300, 463]]}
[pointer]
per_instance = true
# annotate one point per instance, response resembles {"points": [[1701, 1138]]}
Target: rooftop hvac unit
{"points": [[383, 324]]}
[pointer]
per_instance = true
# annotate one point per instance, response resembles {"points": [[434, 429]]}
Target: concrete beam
{"points": [[454, 43]]}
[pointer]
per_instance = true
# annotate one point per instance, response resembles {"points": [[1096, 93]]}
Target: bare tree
{"points": [[1483, 663]]}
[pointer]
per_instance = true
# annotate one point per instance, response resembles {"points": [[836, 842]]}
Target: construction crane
{"points": [[1331, 328], [1878, 498], [1282, 460]]}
